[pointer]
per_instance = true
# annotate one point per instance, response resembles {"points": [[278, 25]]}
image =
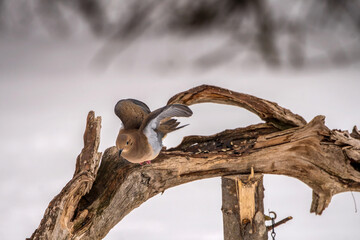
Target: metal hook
{"points": [[273, 234], [274, 215]]}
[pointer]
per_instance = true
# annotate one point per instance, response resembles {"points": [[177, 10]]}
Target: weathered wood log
{"points": [[284, 145]]}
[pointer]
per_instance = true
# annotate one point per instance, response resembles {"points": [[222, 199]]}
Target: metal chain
{"points": [[273, 234]]}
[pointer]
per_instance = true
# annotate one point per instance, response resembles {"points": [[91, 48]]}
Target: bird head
{"points": [[123, 143]]}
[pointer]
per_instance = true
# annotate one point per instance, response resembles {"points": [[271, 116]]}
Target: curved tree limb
{"points": [[309, 152], [271, 112]]}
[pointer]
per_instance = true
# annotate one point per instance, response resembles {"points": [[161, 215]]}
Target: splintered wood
{"points": [[246, 196]]}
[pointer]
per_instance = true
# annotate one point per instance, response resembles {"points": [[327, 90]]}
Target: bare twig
{"points": [[269, 228]]}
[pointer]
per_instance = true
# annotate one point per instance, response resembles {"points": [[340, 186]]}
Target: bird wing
{"points": [[131, 112], [158, 123]]}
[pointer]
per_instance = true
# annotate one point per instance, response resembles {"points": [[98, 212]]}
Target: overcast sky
{"points": [[48, 86]]}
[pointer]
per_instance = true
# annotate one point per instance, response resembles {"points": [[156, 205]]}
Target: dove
{"points": [[140, 138]]}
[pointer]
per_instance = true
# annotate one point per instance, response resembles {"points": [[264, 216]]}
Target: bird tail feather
{"points": [[169, 125]]}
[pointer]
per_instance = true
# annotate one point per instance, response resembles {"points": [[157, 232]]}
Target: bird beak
{"points": [[120, 151]]}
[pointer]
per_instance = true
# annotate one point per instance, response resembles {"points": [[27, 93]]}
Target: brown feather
{"points": [[131, 112]]}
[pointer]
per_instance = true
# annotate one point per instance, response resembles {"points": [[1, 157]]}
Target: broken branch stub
{"points": [[58, 221], [243, 207]]}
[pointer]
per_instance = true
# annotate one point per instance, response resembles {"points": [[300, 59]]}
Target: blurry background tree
{"points": [[298, 33]]}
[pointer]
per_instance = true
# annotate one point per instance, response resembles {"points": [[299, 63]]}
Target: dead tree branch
{"points": [[58, 221], [268, 111], [326, 160]]}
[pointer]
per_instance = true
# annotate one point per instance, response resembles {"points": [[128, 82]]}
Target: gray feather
{"points": [[157, 124], [174, 110]]}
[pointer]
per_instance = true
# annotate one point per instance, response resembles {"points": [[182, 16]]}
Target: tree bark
{"points": [[326, 160]]}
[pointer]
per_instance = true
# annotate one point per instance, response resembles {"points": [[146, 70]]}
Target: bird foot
{"points": [[147, 162]]}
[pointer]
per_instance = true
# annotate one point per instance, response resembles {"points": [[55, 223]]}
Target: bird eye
{"points": [[127, 142]]}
